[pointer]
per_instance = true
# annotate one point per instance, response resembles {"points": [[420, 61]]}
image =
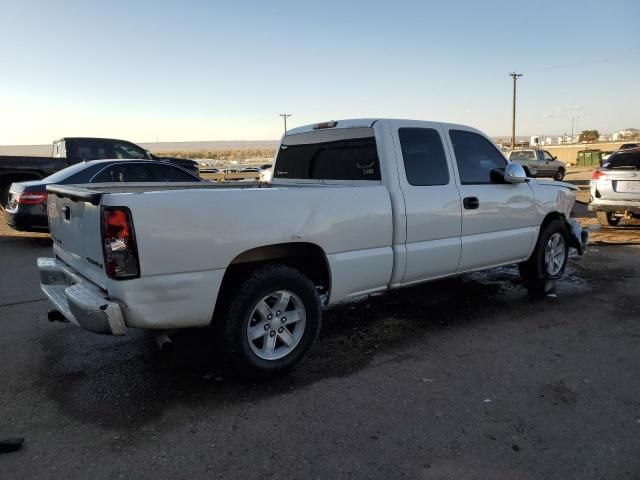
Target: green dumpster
{"points": [[589, 158]]}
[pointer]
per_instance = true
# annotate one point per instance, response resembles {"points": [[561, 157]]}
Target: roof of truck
{"points": [[364, 123], [91, 138]]}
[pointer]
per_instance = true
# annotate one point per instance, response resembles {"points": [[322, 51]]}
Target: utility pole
{"points": [[573, 121], [515, 77], [285, 116]]}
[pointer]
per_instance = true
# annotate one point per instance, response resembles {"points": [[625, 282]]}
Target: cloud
{"points": [[565, 111], [571, 108]]}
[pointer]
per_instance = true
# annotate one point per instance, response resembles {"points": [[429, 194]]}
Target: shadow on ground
{"points": [[128, 382]]}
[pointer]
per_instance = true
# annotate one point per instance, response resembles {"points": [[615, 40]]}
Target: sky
{"points": [[211, 70]]}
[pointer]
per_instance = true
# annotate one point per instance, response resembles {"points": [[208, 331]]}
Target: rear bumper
{"points": [[27, 221], [602, 205], [79, 300]]}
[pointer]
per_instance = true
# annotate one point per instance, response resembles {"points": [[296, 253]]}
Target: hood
{"points": [[555, 183]]}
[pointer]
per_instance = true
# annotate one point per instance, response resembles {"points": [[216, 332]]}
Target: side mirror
{"points": [[148, 155], [555, 158], [514, 173]]}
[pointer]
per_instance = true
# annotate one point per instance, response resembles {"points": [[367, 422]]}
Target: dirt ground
{"points": [[467, 378]]}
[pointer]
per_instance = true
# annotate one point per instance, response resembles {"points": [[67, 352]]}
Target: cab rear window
{"points": [[335, 154]]}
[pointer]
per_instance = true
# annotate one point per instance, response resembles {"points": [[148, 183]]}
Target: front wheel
{"points": [[549, 258], [607, 219], [271, 322], [559, 176]]}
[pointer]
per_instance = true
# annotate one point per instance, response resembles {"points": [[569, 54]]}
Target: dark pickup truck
{"points": [[71, 150]]}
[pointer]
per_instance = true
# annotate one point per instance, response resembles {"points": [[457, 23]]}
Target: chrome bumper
{"points": [[80, 301]]}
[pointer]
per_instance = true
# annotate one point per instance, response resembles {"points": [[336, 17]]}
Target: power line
{"points": [[585, 63]]}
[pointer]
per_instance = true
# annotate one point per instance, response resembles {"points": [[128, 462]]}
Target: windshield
{"points": [[629, 160], [65, 173]]}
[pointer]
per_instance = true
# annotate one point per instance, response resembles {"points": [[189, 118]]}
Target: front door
{"points": [[498, 218]]}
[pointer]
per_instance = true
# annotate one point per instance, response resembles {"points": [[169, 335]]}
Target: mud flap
{"points": [[578, 236]]}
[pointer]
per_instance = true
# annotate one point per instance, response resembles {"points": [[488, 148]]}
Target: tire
{"points": [[607, 219], [538, 272], [559, 176], [262, 303], [4, 196]]}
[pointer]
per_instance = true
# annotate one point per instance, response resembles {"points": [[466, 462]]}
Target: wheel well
{"points": [[550, 217], [308, 258]]}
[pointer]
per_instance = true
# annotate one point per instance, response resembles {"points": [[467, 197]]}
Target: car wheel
{"points": [[559, 176], [607, 219], [549, 258], [271, 321], [4, 196]]}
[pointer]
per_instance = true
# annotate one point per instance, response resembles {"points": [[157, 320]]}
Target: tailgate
{"points": [[74, 222]]}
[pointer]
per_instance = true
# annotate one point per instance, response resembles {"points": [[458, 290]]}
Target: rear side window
{"points": [[336, 154], [133, 172], [168, 173], [476, 157], [522, 155], [90, 150], [423, 154], [629, 160]]}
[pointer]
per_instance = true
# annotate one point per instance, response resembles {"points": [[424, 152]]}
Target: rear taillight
{"points": [[31, 198], [597, 174], [119, 244]]}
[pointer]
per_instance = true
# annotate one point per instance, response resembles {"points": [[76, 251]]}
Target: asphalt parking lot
{"points": [[459, 379]]}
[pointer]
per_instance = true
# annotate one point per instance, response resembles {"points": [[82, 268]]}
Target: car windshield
{"points": [[65, 173], [630, 160]]}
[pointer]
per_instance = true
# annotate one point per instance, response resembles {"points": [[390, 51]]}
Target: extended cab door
{"points": [[498, 218], [432, 201]]}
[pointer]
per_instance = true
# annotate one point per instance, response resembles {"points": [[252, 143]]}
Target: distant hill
{"points": [[44, 150]]}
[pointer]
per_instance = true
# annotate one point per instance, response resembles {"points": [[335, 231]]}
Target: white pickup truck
{"points": [[355, 207]]}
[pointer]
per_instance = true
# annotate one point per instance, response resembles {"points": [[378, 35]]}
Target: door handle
{"points": [[470, 203]]}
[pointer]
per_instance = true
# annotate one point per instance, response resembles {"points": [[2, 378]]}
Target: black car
{"points": [[26, 209]]}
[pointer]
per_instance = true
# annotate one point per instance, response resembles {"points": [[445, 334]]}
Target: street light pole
{"points": [[515, 77], [284, 117]]}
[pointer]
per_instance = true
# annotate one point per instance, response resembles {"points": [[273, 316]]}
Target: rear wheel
{"points": [[271, 322], [559, 176], [607, 219], [4, 196], [549, 258]]}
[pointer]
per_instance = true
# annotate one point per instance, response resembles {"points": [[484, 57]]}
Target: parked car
{"points": [[539, 163], [27, 205], [69, 151], [266, 174], [615, 188], [627, 146], [355, 207], [624, 146]]}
